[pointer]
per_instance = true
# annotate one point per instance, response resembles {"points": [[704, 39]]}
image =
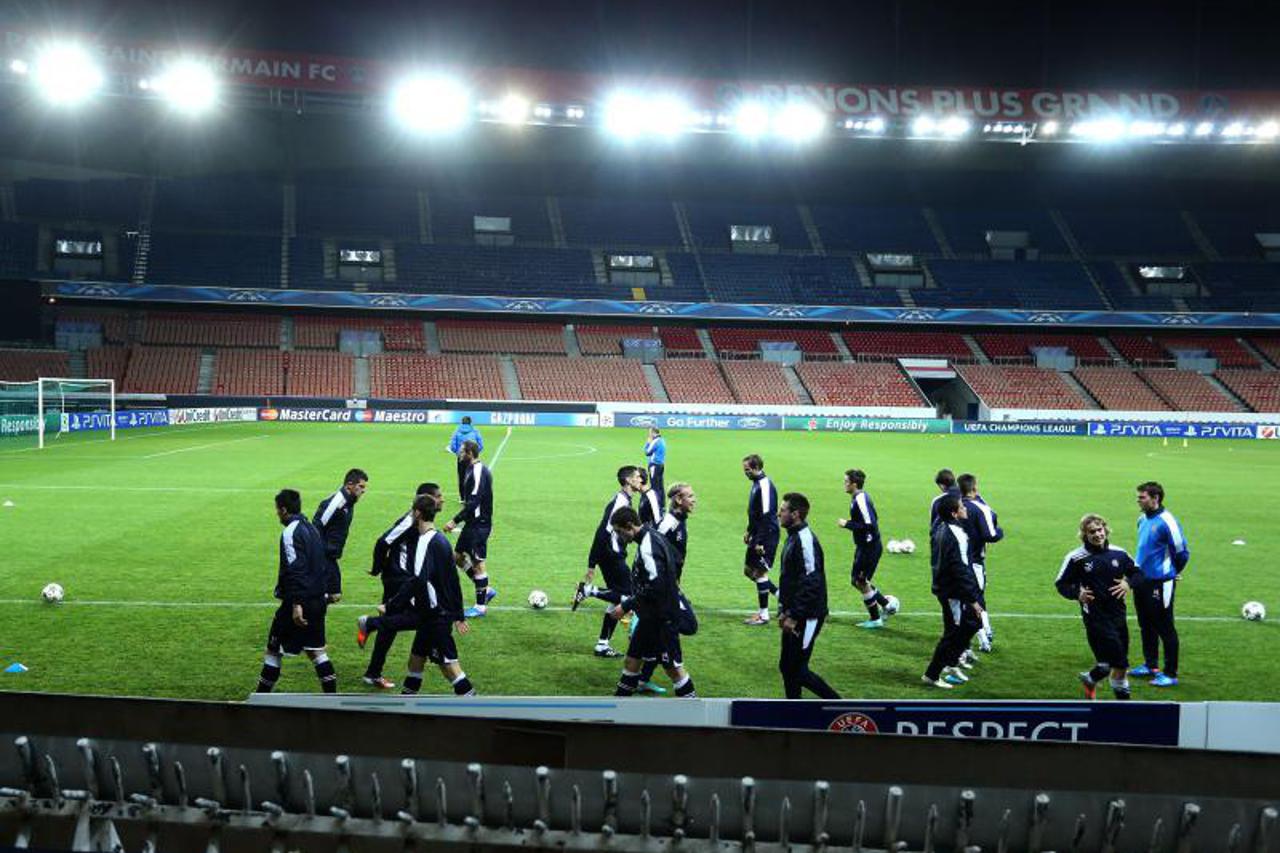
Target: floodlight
{"points": [[189, 86], [922, 126], [800, 122], [622, 116], [542, 111], [1049, 128], [849, 124], [1236, 128], [875, 125], [1145, 127], [1268, 130], [1100, 130], [1178, 128], [1204, 128], [18, 66], [667, 115], [751, 119], [576, 113], [955, 126], [512, 109], [431, 104], [66, 75]]}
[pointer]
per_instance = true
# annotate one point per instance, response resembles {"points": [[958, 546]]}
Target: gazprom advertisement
{"points": [[1148, 723], [78, 421]]}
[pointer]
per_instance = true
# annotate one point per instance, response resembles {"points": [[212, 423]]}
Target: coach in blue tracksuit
{"points": [[655, 456], [1162, 555], [464, 433]]}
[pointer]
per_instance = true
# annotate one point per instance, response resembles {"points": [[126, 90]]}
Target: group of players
{"points": [[419, 569]]}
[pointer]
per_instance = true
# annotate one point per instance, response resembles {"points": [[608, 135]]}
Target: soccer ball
{"points": [[52, 593], [1253, 611], [537, 599], [893, 546], [893, 605], [908, 547]]}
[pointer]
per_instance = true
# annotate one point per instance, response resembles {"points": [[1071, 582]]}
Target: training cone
{"points": [[15, 667]]}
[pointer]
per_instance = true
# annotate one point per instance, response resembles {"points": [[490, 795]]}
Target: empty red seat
{"points": [[583, 379], [1020, 387], [864, 384], [693, 380]]}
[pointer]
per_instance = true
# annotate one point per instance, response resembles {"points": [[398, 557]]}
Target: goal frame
{"points": [[40, 400]]}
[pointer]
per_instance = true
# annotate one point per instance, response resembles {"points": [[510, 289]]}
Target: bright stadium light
{"points": [[1145, 128], [18, 66], [1177, 129], [66, 75], [875, 125], [1049, 128], [1204, 128], [512, 109], [190, 87], [623, 116], [668, 116], [1268, 130], [922, 126], [1100, 130], [751, 119], [1236, 128], [431, 104], [955, 126], [800, 122]]}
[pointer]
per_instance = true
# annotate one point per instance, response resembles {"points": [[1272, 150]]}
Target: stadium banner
{"points": [[1017, 428], [489, 418], [551, 306], [670, 420], [371, 76], [81, 421], [1165, 429], [300, 414], [11, 425], [830, 424], [1146, 723], [181, 417], [1269, 432]]}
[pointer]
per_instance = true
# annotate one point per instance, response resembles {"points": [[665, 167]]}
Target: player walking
{"points": [[333, 522], [983, 528], [761, 537], [609, 554], [476, 517], [464, 432], [802, 600], [864, 524], [956, 588]]}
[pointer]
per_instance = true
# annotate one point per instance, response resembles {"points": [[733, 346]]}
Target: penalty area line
{"points": [[501, 447]]}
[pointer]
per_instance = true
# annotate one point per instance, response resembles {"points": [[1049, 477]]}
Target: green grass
{"points": [[184, 517]]}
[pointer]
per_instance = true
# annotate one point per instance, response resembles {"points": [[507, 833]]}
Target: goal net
{"points": [[49, 409]]}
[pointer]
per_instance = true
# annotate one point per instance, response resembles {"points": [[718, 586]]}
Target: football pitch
{"points": [[166, 543]]}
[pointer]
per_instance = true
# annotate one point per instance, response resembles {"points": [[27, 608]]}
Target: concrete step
{"points": [[1198, 236], [286, 333], [811, 229], [557, 222], [682, 222], [571, 341], [1256, 353], [935, 228], [1240, 404], [907, 298], [1106, 344], [797, 387], [510, 379], [1082, 391], [204, 385], [360, 379], [77, 365], [845, 355], [707, 347], [976, 350], [655, 383], [432, 334]]}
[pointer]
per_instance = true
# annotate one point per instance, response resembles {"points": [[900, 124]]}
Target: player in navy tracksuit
{"points": [[864, 524], [674, 526], [655, 455], [761, 537], [464, 432], [609, 554], [429, 602], [1099, 576], [298, 625], [1162, 554], [802, 600], [333, 521], [983, 528], [956, 588], [650, 501], [655, 599], [390, 563], [476, 518], [945, 480]]}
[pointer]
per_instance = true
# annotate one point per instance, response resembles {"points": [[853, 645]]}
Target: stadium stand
{"points": [[489, 271], [681, 341], [219, 204], [320, 332], [1139, 349], [306, 266], [1119, 388], [1010, 284], [688, 380], [224, 330], [599, 379], [1020, 387], [17, 249], [805, 279], [607, 340], [966, 227], [103, 201], [1232, 223], [1188, 391], [1268, 346], [617, 223], [500, 337], [463, 377], [403, 335], [17, 365], [107, 363], [885, 228], [686, 281], [892, 344], [216, 260], [760, 382], [248, 372], [738, 342], [1260, 389], [163, 370], [318, 374], [361, 210], [1228, 351], [1121, 296], [867, 384], [1238, 287], [453, 217], [1151, 232], [113, 325], [709, 223], [1018, 345]]}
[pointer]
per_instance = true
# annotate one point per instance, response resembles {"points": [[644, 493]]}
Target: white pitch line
{"points": [[505, 439], [204, 446], [722, 611]]}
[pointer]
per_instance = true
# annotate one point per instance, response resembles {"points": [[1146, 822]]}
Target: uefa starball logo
{"points": [[853, 723]]}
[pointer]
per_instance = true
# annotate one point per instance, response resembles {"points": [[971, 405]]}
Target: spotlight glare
{"points": [[431, 104], [1100, 130], [800, 122], [1204, 128], [1178, 128], [17, 66], [1236, 128], [922, 126], [957, 126], [875, 125], [67, 75], [751, 119], [542, 111], [512, 109], [1049, 128], [189, 86], [668, 116], [1268, 130]]}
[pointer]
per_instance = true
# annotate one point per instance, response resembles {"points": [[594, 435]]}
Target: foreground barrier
{"points": [[104, 774]]}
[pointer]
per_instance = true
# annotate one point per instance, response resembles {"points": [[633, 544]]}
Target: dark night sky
{"points": [[1122, 43]]}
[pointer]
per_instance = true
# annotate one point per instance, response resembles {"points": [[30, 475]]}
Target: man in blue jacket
{"points": [[1162, 555], [655, 456], [464, 433]]}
